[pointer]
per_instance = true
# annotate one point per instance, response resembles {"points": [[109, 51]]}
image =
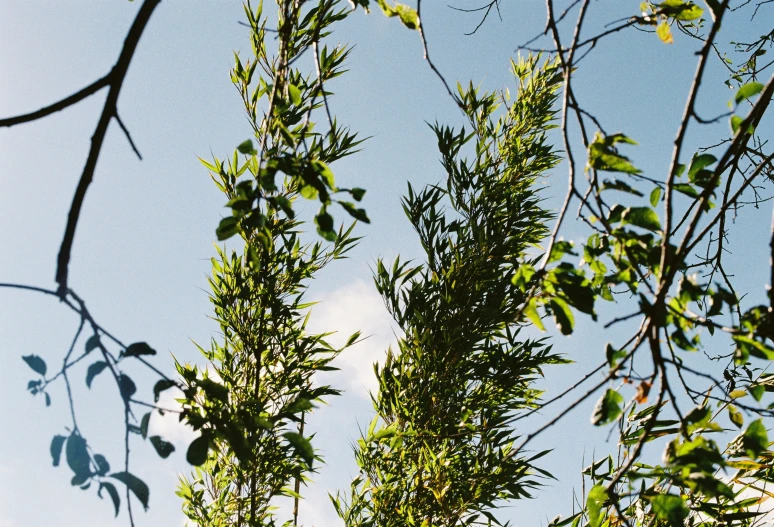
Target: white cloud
{"points": [[355, 307]]}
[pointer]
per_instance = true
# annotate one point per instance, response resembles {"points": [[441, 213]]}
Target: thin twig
{"points": [[128, 136], [420, 28]]}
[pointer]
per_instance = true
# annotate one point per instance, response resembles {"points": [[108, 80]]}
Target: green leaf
{"points": [[324, 171], [92, 343], [103, 467], [755, 439], [643, 217], [163, 448], [135, 484], [126, 387], [608, 408], [688, 190], [302, 446], [617, 184], [559, 249], [358, 214], [214, 390], [655, 195], [94, 370], [757, 392], [160, 386], [752, 347], [604, 156], [737, 121], [670, 508], [77, 454], [735, 415], [139, 349], [700, 162], [324, 222], [357, 193], [295, 96], [613, 355], [748, 90], [112, 492], [227, 228], [562, 315], [309, 192], [594, 503], [246, 147], [37, 364], [198, 450], [407, 15], [301, 404], [56, 448], [680, 10], [530, 310], [664, 33]]}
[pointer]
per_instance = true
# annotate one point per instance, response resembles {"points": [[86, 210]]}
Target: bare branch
{"points": [[108, 112], [128, 136], [420, 28], [75, 98]]}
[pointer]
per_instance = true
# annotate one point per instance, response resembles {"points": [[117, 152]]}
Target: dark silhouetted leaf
{"points": [[127, 387], [37, 364], [563, 315], [139, 349], [103, 467], [160, 386], [135, 484], [144, 425], [163, 448], [111, 490], [92, 343], [56, 448], [94, 370], [197, 450], [77, 454]]}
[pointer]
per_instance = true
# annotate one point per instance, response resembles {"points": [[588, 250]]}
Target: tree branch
{"points": [[75, 98], [116, 81]]}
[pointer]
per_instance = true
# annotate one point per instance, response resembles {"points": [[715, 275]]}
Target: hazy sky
{"points": [[142, 249]]}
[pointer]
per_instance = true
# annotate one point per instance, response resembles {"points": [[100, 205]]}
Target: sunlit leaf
{"points": [[608, 408], [748, 90]]}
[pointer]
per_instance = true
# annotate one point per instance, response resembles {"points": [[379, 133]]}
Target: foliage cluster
{"points": [[443, 449]]}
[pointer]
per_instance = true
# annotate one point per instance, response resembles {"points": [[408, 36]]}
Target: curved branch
{"points": [[108, 112], [58, 106]]}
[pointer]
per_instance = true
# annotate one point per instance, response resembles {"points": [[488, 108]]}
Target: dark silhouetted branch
{"points": [[58, 106], [108, 112]]}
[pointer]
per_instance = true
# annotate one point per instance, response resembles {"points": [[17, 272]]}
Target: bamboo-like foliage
{"points": [[440, 450], [250, 403]]}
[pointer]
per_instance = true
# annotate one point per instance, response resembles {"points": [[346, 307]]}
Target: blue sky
{"points": [[142, 249]]}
